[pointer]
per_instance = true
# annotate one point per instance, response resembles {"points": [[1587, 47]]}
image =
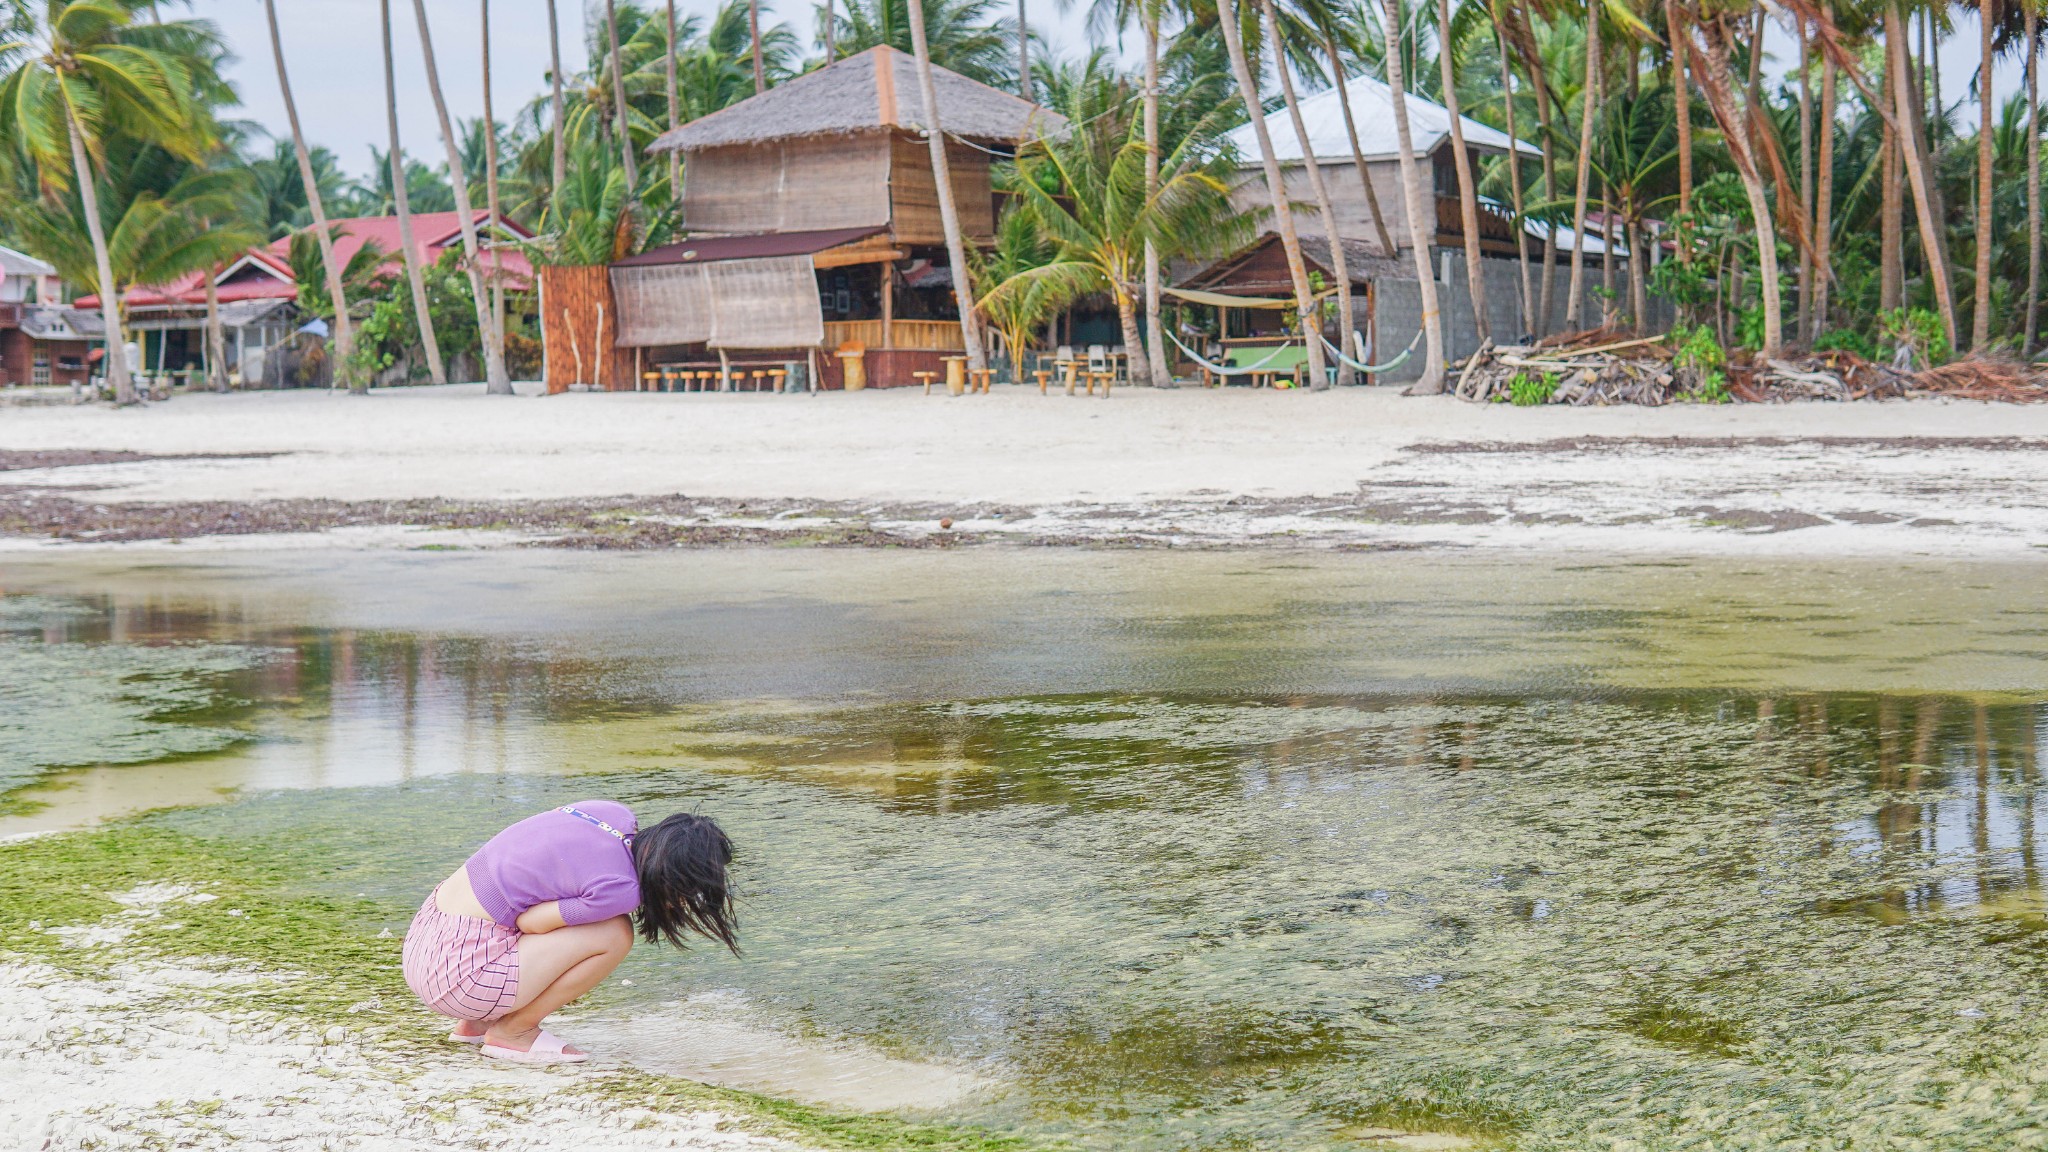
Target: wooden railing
{"points": [[939, 335], [1495, 227]]}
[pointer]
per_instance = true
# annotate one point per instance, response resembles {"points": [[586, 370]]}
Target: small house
{"points": [[37, 344], [813, 225]]}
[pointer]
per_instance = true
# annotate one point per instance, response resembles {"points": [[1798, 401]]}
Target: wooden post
{"points": [[724, 372], [888, 305]]}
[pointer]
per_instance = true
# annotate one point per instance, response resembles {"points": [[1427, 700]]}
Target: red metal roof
{"points": [[712, 248], [433, 233]]}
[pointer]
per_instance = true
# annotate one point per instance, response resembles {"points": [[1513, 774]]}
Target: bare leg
{"points": [[554, 969]]}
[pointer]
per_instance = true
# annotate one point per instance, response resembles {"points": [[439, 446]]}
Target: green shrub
{"points": [[1525, 390], [1846, 340], [1918, 338], [1698, 361]]}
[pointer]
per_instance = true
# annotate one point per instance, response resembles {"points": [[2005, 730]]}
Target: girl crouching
{"points": [[548, 908]]}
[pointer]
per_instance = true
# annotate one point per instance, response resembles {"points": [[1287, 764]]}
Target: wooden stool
{"points": [[981, 378], [1108, 378], [669, 378], [649, 382], [1073, 370], [1043, 376], [927, 377], [776, 378]]}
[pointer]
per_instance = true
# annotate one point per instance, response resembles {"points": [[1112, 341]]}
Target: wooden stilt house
{"points": [[813, 224]]}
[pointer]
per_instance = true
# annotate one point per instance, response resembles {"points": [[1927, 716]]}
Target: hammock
{"points": [[1220, 300], [1389, 366], [1219, 369]]}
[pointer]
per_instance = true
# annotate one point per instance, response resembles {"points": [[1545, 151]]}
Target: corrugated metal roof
{"points": [[1372, 109], [713, 248]]}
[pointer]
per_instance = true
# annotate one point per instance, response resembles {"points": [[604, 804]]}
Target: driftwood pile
{"points": [[1595, 368]]}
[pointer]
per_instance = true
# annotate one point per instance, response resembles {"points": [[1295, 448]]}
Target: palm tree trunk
{"points": [[2033, 19], [1346, 318], [1468, 196], [831, 33], [1127, 324], [498, 383], [1155, 332], [110, 292], [1824, 203], [1372, 196], [1917, 178], [1719, 88], [402, 203], [1421, 213], [942, 177], [344, 332], [1638, 277], [1588, 105], [1681, 110], [1276, 186], [1804, 322], [1891, 240], [753, 33], [1507, 88], [216, 339], [1606, 253], [491, 183], [1024, 53], [619, 106], [675, 158], [558, 170], [1980, 308]]}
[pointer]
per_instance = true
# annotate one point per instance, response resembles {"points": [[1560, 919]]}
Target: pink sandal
{"points": [[459, 1038], [548, 1048]]}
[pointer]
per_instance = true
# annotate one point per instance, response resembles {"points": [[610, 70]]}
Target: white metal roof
{"points": [[14, 263], [1372, 108]]}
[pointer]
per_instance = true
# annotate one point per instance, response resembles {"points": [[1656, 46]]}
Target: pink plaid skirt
{"points": [[462, 967]]}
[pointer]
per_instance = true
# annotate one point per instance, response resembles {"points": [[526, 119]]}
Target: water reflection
{"points": [[1206, 904]]}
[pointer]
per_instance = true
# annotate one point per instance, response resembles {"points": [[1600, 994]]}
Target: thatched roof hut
{"points": [[874, 91]]}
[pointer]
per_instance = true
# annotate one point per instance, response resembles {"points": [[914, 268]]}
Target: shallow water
{"points": [[1176, 851]]}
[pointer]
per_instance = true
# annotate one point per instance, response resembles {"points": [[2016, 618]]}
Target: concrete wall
{"points": [[1398, 306]]}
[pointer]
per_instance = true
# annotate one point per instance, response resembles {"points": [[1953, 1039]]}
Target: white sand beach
{"points": [[1353, 467]]}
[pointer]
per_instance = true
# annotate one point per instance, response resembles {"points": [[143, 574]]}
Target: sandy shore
{"points": [[125, 1062], [1350, 468]]}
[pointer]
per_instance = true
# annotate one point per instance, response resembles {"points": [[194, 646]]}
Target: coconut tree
{"points": [[491, 176], [942, 178], [1276, 186], [1329, 26], [1715, 42], [1980, 307], [964, 36], [1589, 106], [559, 145], [1021, 311], [1024, 53], [1918, 178], [498, 383], [1416, 196], [2031, 10], [753, 35], [402, 205], [668, 63], [1085, 190], [78, 71], [1347, 319], [1468, 196], [620, 108], [344, 330]]}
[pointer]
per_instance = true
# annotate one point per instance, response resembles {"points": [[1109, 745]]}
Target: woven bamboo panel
{"points": [[789, 185], [662, 304], [766, 303], [914, 194], [934, 335]]}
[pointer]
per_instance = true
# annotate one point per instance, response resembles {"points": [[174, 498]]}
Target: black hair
{"points": [[681, 863]]}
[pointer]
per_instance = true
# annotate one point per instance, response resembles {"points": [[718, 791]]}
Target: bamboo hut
{"points": [[813, 224]]}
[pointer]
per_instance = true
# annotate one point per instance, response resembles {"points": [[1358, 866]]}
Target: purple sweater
{"points": [[557, 856]]}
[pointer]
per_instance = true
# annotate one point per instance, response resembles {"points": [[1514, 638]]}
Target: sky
{"points": [[332, 49]]}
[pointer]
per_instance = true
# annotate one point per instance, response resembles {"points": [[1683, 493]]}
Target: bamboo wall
{"points": [[936, 335], [914, 194], [579, 328], [789, 185]]}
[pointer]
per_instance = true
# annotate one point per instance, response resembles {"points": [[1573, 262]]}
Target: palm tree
{"points": [[754, 35], [1024, 53], [942, 177], [1020, 311], [1347, 320], [1276, 187], [619, 105], [1589, 104], [1516, 200], [82, 70], [1155, 331], [559, 161], [498, 383], [1980, 308], [401, 203], [1716, 84], [1917, 176], [1085, 191], [2033, 29], [491, 176], [1343, 82], [1415, 194], [668, 59], [344, 331], [965, 36], [1468, 197]]}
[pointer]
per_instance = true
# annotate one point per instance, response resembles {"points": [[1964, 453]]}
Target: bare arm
{"points": [[541, 918]]}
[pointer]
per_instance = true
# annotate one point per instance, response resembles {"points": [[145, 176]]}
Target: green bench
{"points": [[1291, 361]]}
